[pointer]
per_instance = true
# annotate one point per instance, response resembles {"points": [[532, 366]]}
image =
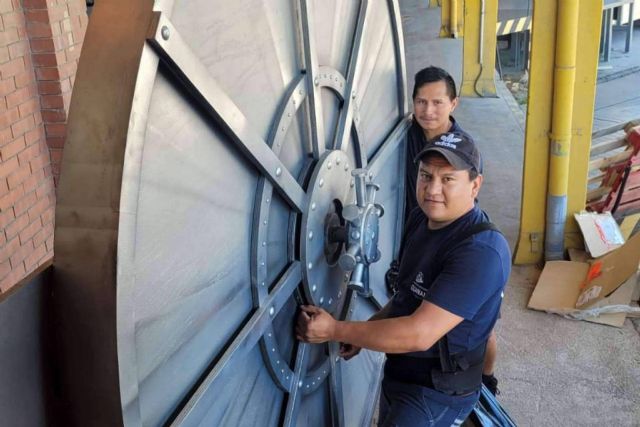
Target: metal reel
{"points": [[209, 174]]}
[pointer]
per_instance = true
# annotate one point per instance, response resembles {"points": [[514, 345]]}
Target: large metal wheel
{"points": [[211, 148]]}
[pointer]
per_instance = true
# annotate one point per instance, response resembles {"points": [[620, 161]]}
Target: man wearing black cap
{"points": [[452, 275]]}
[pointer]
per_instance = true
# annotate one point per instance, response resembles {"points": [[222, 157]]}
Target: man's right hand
{"points": [[347, 351]]}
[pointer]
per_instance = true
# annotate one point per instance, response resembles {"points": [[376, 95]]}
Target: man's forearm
{"points": [[396, 335]]}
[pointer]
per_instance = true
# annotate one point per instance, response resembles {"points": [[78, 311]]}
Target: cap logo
{"points": [[448, 140]]}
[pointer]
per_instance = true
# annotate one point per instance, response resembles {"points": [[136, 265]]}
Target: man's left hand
{"points": [[315, 325]]}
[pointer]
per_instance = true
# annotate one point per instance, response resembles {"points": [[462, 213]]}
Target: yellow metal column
{"points": [[537, 158], [560, 137], [479, 57], [434, 4], [451, 18], [582, 122]]}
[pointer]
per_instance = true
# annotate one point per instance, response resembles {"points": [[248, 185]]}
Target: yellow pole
{"points": [[453, 19], [560, 137], [445, 11], [479, 48]]}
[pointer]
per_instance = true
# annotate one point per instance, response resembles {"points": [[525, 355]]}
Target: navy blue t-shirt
{"points": [[469, 282]]}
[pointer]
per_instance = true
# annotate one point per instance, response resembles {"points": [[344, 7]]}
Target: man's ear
{"points": [[476, 184], [454, 103]]}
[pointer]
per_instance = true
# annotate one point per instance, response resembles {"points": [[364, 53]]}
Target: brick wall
{"points": [[40, 42]]}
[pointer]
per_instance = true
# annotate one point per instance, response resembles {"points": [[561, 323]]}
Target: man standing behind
{"points": [[434, 100], [434, 329]]}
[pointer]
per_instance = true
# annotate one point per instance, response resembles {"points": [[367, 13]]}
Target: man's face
{"points": [[432, 107], [445, 194]]}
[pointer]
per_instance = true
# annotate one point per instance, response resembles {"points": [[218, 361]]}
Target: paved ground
{"points": [[618, 91], [552, 371]]}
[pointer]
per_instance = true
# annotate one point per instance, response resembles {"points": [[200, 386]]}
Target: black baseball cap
{"points": [[458, 148]]}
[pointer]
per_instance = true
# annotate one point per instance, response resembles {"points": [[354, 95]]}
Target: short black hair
{"points": [[433, 74]]}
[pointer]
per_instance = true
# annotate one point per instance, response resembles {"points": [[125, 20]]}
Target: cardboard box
{"points": [[558, 289], [600, 231], [573, 287]]}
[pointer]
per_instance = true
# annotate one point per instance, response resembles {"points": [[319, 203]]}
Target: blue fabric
{"points": [[409, 405], [469, 282]]}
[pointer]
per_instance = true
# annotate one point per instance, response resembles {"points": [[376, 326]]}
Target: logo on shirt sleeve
{"points": [[417, 287]]}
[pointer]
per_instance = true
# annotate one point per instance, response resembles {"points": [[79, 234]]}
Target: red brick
{"points": [[4, 188], [67, 70], [48, 214], [7, 167], [32, 182], [4, 54], [44, 59], [17, 273], [18, 97], [40, 30], [11, 68], [49, 243], [21, 254], [7, 86], [29, 153], [9, 117], [16, 226], [39, 208], [15, 179], [51, 102], [29, 107], [22, 126], [10, 35], [66, 85], [56, 130], [47, 74], [9, 200], [35, 4], [49, 88], [33, 135], [28, 232], [6, 218], [36, 256], [24, 79], [18, 49], [54, 116], [42, 45], [5, 134], [5, 6], [56, 155], [11, 246], [23, 205], [58, 13], [9, 150], [41, 236], [5, 268], [12, 20], [39, 163], [37, 15], [44, 190]]}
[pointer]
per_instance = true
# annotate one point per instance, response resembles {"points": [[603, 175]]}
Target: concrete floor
{"points": [[552, 371]]}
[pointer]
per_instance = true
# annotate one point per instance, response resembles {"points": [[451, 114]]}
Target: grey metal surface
{"points": [[246, 121]]}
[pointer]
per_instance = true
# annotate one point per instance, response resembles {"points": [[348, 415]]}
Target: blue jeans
{"points": [[409, 405]]}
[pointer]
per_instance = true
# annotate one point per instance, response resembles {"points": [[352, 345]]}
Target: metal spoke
{"points": [[246, 340], [286, 112], [389, 146], [316, 120], [346, 114], [401, 66], [181, 60], [293, 402]]}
